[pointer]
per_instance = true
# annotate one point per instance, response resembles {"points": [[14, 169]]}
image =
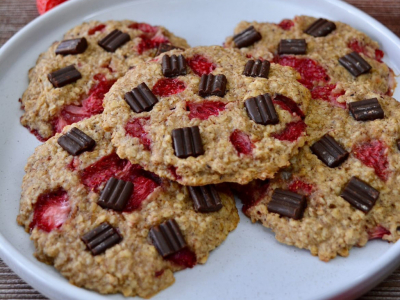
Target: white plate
{"points": [[250, 264]]}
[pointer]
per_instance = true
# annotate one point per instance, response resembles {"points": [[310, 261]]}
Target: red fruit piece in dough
{"points": [[46, 5], [378, 232], [51, 210], [172, 170], [135, 128], [365, 49], [93, 30], [289, 105], [286, 24], [292, 131], [151, 41], [373, 154], [241, 142], [311, 72], [184, 258], [168, 86], [203, 110], [327, 93], [200, 65], [250, 194], [299, 186], [144, 27], [36, 134]]}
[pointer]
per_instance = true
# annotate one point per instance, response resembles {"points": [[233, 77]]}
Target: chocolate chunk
{"points": [[261, 110], [360, 194], [116, 194], [75, 142], [321, 27], [329, 151], [288, 204], [247, 37], [173, 66], [141, 98], [205, 198], [167, 238], [187, 142], [211, 85], [163, 47], [99, 239], [355, 64], [75, 46], [398, 143], [292, 46], [64, 76], [114, 40], [366, 110], [257, 68]]}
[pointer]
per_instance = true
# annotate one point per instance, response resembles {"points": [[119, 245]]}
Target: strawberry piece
{"points": [[159, 273], [289, 105], [172, 170], [36, 134], [93, 30], [241, 142], [299, 186], [150, 41], [184, 258], [326, 93], [45, 5], [250, 194], [379, 55], [378, 232], [203, 110], [51, 210], [311, 72], [200, 65], [373, 154], [365, 49], [168, 86], [286, 24], [144, 27], [135, 128], [292, 131]]}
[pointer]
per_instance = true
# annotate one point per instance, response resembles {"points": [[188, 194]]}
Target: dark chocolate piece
{"points": [[64, 76], [247, 37], [261, 110], [187, 142], [321, 27], [114, 40], [360, 194], [355, 64], [257, 68], [116, 194], [211, 85], [287, 204], [292, 46], [167, 238], [366, 110], [205, 198], [329, 151], [75, 46], [398, 143], [163, 47], [99, 239], [173, 66], [141, 98], [75, 142]]}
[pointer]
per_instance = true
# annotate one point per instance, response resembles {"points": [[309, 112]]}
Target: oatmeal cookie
{"points": [[242, 127], [64, 198], [48, 108]]}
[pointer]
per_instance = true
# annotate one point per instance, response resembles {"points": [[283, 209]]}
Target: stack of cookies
{"points": [[147, 138]]}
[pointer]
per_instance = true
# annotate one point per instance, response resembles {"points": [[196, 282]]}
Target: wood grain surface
{"points": [[14, 14]]}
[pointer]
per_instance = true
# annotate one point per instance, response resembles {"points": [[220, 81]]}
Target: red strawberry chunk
{"points": [[135, 128], [150, 41], [200, 65], [172, 170], [51, 210], [144, 27], [379, 55], [365, 49], [373, 154], [289, 105], [159, 273], [36, 134], [299, 186], [45, 5], [168, 86], [326, 93], [250, 194], [203, 110], [241, 142], [292, 131], [184, 258], [378, 232], [93, 30], [286, 24]]}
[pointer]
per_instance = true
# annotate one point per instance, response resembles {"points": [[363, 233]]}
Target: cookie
{"points": [[110, 226], [341, 190], [241, 126], [100, 53], [317, 49]]}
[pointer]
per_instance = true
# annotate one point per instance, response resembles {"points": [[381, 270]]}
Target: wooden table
{"points": [[14, 14]]}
